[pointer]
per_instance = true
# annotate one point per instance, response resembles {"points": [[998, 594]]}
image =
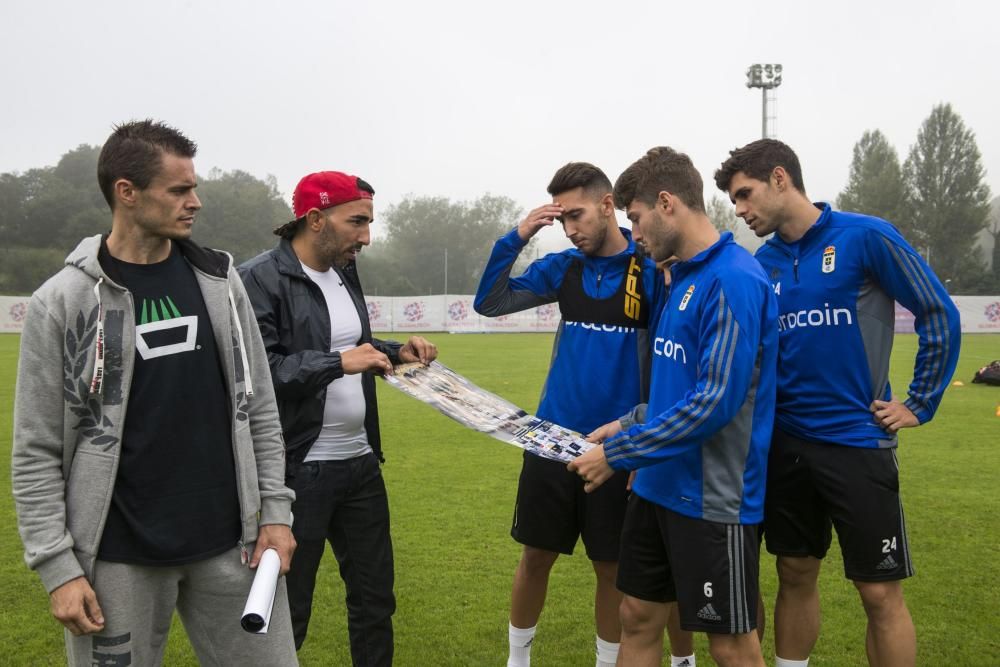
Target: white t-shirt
{"points": [[343, 434]]}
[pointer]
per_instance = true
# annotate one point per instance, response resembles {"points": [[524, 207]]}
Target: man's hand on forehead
{"points": [[543, 216]]}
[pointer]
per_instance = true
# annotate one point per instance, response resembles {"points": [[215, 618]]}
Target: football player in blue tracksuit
{"points": [[836, 276], [700, 445], [606, 290]]}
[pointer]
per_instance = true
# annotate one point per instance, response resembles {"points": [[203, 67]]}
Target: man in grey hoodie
{"points": [[148, 463]]}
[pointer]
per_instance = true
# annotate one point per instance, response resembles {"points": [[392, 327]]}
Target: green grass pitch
{"points": [[451, 492]]}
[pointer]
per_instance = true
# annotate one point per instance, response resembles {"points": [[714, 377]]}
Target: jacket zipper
{"points": [[241, 499], [795, 259], [128, 371]]}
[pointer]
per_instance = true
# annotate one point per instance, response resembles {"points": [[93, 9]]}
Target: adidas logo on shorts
{"points": [[888, 564], [708, 613]]}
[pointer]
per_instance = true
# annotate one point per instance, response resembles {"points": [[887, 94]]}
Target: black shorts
{"points": [[709, 568], [812, 487], [553, 510]]}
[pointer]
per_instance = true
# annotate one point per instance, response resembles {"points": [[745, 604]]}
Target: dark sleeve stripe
{"points": [[694, 414], [932, 375], [628, 448], [502, 299], [924, 293], [704, 401], [932, 379]]}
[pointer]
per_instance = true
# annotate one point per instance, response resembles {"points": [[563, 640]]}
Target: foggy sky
{"points": [[462, 98]]}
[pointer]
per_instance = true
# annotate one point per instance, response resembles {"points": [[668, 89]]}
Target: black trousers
{"points": [[345, 503]]}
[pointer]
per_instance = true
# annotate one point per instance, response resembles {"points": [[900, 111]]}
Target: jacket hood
{"points": [[91, 257], [85, 257]]}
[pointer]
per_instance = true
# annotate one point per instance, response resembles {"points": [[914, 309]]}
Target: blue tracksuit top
{"points": [[597, 372], [702, 448], [835, 288]]}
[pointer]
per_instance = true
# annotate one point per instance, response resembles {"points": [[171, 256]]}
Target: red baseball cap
{"points": [[328, 188]]}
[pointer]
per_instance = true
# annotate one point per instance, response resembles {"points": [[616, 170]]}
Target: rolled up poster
{"points": [[257, 613]]}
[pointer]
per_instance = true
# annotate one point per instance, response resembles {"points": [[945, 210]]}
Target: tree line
{"points": [[45, 212], [425, 244], [937, 197]]}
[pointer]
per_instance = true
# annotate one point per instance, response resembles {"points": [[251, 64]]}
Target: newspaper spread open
{"points": [[478, 409]]}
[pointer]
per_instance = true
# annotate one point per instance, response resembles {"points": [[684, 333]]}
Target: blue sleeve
{"points": [[727, 352], [907, 278], [499, 294]]}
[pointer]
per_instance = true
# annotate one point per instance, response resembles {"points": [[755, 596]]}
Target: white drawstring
{"points": [[97, 382], [243, 347]]}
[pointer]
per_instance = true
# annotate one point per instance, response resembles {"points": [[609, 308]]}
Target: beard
{"points": [[598, 239], [327, 248], [661, 243]]}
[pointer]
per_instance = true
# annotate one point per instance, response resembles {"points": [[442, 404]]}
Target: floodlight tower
{"points": [[767, 78]]}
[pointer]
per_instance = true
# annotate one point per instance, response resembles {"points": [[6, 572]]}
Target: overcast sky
{"points": [[462, 98]]}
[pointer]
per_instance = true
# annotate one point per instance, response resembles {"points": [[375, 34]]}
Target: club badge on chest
{"points": [[687, 297], [829, 259]]}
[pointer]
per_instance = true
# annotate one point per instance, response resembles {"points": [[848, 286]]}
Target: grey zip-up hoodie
{"points": [[73, 381]]}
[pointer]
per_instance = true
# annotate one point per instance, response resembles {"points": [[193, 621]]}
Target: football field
{"points": [[451, 492]]}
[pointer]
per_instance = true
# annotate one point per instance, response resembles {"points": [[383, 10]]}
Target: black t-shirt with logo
{"points": [[175, 498]]}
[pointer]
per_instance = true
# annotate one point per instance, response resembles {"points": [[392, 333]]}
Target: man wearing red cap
{"points": [[312, 315]]}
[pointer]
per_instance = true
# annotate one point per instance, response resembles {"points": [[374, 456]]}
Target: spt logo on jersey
{"points": [[632, 299]]}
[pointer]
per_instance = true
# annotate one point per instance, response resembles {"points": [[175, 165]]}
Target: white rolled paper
{"points": [[257, 613]]}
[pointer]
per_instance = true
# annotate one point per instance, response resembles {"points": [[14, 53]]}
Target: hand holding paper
{"points": [[476, 408], [257, 613], [274, 536]]}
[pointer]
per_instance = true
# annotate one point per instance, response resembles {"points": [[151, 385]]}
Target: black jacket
{"points": [[295, 325]]}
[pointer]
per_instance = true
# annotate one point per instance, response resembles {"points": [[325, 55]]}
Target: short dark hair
{"points": [[580, 175], [134, 152], [757, 160], [661, 169]]}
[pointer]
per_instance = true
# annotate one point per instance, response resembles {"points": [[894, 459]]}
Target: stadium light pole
{"points": [[765, 77]]}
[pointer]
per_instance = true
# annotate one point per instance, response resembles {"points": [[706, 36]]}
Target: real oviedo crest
{"points": [[687, 297], [829, 259]]}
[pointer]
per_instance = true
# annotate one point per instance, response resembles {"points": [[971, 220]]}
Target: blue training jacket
{"points": [[598, 372], [701, 449], [835, 288]]}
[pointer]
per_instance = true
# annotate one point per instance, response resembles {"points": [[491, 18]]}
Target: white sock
{"points": [[607, 653], [520, 645], [785, 662], [682, 660]]}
